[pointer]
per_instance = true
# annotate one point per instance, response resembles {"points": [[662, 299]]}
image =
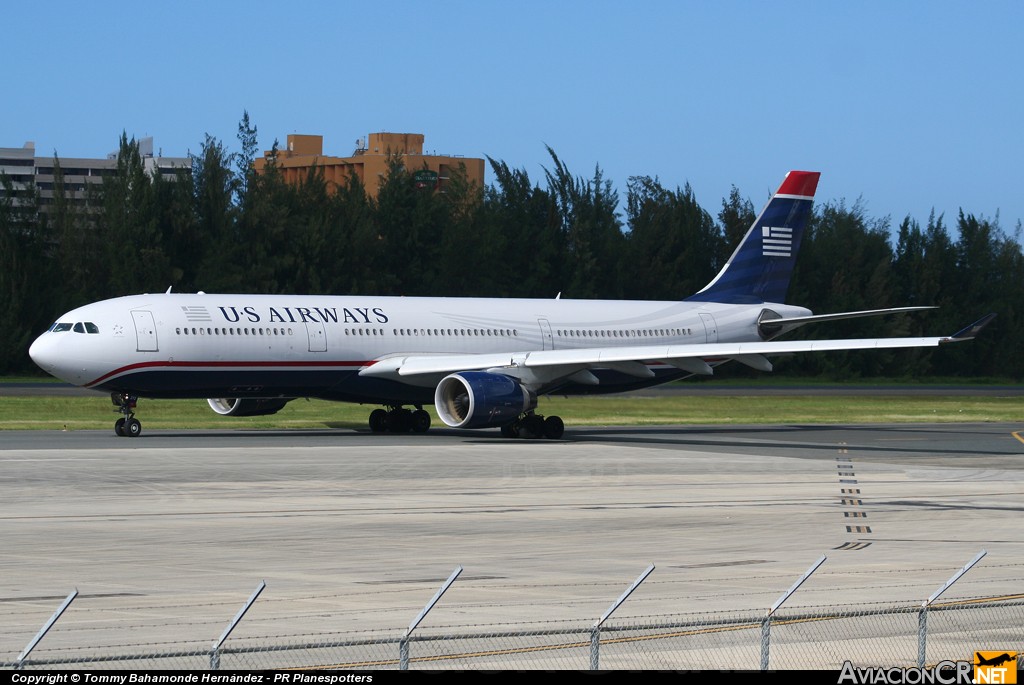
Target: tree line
{"points": [[225, 228]]}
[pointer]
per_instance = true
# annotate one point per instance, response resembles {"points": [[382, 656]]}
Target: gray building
{"points": [[24, 168]]}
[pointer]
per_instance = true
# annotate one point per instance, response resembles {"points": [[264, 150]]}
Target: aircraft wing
{"points": [[555, 364]]}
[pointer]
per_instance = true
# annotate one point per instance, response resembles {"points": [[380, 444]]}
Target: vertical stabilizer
{"points": [[760, 268]]}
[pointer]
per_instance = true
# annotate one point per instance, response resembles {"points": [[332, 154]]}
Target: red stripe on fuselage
{"points": [[227, 365]]}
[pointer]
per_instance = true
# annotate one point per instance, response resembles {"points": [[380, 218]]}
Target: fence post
{"points": [[766, 637], [922, 619], [766, 623], [403, 644], [215, 652], [922, 635], [595, 648], [595, 634], [403, 653], [20, 662]]}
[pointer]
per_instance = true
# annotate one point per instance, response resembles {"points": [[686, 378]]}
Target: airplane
{"points": [[482, 362], [994, 661]]}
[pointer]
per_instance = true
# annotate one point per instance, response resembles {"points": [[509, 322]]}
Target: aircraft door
{"points": [[710, 328], [145, 331], [317, 336], [546, 340]]}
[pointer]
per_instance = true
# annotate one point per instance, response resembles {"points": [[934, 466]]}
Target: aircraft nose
{"points": [[41, 352]]}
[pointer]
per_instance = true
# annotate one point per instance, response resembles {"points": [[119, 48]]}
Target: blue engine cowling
{"points": [[478, 399]]}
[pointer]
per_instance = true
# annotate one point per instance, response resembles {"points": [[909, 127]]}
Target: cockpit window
{"points": [[79, 328], [61, 327], [92, 328]]}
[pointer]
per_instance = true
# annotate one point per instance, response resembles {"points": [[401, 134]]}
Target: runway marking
{"points": [[844, 466], [1017, 434]]}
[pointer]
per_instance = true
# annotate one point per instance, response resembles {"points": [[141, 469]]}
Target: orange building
{"points": [[369, 161]]}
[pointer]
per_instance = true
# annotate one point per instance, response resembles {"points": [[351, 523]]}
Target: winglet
{"points": [[971, 331]]}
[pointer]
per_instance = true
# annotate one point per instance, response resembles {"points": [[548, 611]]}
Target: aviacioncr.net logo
{"points": [[942, 673]]}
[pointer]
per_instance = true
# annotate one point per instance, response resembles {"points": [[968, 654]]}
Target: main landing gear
{"points": [[397, 419], [532, 426], [128, 425]]}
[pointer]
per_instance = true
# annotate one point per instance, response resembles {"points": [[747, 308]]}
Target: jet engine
{"points": [[479, 399], [235, 406]]}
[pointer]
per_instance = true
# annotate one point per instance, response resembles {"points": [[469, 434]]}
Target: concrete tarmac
{"points": [[165, 536]]}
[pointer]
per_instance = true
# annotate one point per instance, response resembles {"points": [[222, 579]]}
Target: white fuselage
{"points": [[200, 345]]}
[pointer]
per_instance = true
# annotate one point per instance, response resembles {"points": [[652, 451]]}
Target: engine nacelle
{"points": [[236, 406], [478, 399]]}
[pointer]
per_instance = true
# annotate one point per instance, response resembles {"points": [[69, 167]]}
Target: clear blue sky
{"points": [[910, 105]]}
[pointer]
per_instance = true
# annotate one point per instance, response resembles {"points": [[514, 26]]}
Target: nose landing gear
{"points": [[128, 425]]}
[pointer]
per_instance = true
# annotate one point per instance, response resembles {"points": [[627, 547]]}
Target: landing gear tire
{"points": [[534, 426], [399, 420], [554, 428], [420, 421], [378, 421], [127, 426]]}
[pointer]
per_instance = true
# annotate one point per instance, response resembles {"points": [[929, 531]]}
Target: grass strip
{"points": [[78, 413]]}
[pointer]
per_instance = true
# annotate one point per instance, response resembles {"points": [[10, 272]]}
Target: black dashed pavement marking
{"points": [[852, 505]]}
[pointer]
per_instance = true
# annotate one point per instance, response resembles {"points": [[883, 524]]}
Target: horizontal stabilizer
{"points": [[843, 315]]}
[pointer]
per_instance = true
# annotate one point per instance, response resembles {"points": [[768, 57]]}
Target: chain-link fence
{"points": [[822, 638]]}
